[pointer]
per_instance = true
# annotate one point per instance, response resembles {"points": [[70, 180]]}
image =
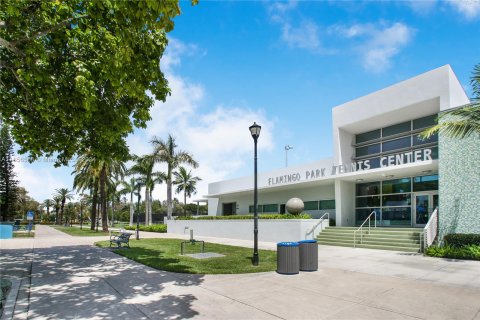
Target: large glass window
{"points": [[393, 200], [396, 144], [327, 204], [425, 183], [311, 205], [425, 122], [371, 201], [367, 150], [396, 186], [367, 189], [367, 136], [417, 140], [396, 129], [397, 216], [270, 208], [362, 214], [385, 141]]}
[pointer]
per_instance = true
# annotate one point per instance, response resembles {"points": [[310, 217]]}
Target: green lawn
{"points": [[164, 254], [85, 232], [24, 234]]}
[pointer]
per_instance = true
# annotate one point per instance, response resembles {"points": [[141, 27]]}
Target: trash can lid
{"points": [[288, 244], [307, 241]]}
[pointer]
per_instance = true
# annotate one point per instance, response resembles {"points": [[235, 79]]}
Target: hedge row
{"points": [[462, 239], [471, 252], [152, 228], [249, 216]]}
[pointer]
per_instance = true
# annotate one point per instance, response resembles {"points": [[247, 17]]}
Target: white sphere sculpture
{"points": [[294, 206]]}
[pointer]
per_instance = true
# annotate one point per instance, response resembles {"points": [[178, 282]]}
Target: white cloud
{"points": [[277, 10], [218, 138], [384, 45], [470, 9], [422, 7], [41, 179], [305, 36], [379, 44]]}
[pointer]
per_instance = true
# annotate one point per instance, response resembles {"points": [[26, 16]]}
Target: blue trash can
{"points": [[288, 258], [308, 255]]}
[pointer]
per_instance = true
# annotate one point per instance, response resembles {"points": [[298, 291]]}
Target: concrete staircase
{"points": [[397, 239]]}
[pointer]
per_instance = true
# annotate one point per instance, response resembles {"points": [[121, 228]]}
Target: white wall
{"points": [[345, 203], [268, 230], [245, 200]]}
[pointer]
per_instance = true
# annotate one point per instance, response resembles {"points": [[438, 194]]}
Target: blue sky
{"points": [[284, 65]]}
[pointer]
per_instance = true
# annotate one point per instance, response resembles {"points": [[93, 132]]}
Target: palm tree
{"points": [[57, 201], [148, 179], [165, 151], [94, 173], [48, 203], [130, 187], [460, 122], [64, 194], [187, 183]]}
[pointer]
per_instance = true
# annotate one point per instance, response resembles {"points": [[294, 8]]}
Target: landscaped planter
{"points": [[274, 230]]}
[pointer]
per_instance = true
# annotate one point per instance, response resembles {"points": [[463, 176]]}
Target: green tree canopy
{"points": [[463, 121], [78, 76]]}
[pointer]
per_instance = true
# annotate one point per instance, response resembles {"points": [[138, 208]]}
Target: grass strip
{"points": [[164, 254]]}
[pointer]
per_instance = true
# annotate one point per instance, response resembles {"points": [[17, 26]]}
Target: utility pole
{"points": [[287, 147]]}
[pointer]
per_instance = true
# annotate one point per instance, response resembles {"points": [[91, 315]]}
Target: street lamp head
{"points": [[255, 130], [288, 147]]}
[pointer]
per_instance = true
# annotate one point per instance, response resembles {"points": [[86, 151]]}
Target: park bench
{"points": [[124, 237]]}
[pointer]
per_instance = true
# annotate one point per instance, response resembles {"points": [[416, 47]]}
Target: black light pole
{"points": [[255, 131], [138, 214]]}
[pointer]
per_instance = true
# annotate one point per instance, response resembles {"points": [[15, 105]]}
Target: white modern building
{"points": [[379, 162]]}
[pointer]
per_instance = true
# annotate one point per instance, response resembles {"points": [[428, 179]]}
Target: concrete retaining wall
{"points": [[268, 230]]}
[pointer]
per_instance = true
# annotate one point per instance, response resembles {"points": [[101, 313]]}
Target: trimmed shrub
{"points": [[249, 216], [153, 228], [471, 252], [462, 239]]}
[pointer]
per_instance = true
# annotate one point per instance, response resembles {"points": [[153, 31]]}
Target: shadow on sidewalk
{"points": [[87, 282]]}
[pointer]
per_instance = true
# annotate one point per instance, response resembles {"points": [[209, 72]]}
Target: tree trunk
{"points": [[131, 208], [169, 193], [103, 199], [113, 211], [56, 215], [61, 211], [150, 201], [146, 206], [93, 215], [184, 203]]}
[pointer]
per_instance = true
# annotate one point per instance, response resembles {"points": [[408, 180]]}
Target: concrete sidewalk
{"points": [[84, 282]]}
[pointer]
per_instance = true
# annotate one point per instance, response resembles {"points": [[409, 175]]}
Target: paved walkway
{"points": [[70, 279]]}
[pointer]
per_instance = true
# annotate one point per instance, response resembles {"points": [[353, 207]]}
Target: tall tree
{"points": [[48, 203], [57, 201], [144, 167], [8, 183], [187, 183], [95, 173], [64, 194], [166, 151], [463, 121], [130, 188], [85, 73]]}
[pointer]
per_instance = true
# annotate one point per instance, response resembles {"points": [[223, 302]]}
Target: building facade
{"points": [[379, 164]]}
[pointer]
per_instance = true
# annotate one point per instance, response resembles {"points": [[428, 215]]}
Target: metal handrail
{"points": [[319, 222], [430, 231], [361, 227]]}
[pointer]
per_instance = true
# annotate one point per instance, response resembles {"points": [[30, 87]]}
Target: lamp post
{"points": [[287, 147], [138, 214], [255, 131]]}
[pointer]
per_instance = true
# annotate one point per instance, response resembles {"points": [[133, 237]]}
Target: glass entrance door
{"points": [[423, 206]]}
